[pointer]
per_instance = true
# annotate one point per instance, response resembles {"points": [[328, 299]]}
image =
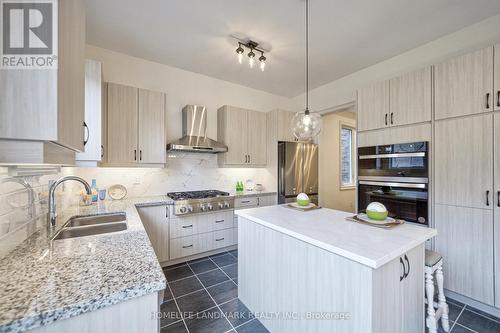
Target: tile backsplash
{"points": [[184, 172], [19, 217]]}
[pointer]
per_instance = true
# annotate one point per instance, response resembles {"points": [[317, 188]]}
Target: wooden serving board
{"points": [[383, 226], [294, 205]]}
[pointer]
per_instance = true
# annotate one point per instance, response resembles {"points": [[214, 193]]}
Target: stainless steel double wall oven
{"points": [[397, 176]]}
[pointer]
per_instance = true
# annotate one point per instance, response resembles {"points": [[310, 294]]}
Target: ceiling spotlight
{"points": [[253, 47], [262, 60], [240, 51], [251, 57]]}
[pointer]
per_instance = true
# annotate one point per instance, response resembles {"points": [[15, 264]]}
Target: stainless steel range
{"points": [[192, 202]]}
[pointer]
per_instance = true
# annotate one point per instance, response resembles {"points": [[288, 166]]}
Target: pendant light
{"points": [[306, 125]]}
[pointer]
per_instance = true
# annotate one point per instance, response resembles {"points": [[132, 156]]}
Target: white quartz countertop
{"points": [[328, 229]]}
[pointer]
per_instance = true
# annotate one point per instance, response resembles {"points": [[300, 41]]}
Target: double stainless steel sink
{"points": [[79, 226]]}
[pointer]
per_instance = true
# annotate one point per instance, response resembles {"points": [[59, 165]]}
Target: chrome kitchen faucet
{"points": [[51, 216]]}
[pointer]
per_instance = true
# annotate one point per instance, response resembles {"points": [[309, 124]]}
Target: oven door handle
{"points": [[407, 185], [368, 157]]}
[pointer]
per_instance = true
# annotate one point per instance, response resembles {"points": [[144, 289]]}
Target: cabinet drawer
{"points": [[246, 202], [182, 247], [222, 220], [223, 238], [183, 226]]}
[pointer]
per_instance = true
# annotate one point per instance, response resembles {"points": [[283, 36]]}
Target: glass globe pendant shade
{"points": [[306, 125]]}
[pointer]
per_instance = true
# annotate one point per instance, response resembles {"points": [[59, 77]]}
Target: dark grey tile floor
{"points": [[466, 319], [202, 296]]}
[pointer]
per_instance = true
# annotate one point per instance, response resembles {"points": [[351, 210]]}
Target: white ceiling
{"points": [[345, 36]]}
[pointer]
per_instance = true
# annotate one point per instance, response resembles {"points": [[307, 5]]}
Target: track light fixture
{"points": [[251, 55]]}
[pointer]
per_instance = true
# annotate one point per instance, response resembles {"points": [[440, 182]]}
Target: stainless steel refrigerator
{"points": [[297, 171]]}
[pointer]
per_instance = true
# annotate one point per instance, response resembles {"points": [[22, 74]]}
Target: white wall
{"points": [[343, 90], [182, 87]]}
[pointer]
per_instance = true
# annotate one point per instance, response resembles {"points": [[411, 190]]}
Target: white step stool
{"points": [[439, 310]]}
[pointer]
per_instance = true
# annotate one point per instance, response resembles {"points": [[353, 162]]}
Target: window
{"points": [[347, 147]]}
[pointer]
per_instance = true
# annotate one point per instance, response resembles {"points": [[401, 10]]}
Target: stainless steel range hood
{"points": [[194, 128]]}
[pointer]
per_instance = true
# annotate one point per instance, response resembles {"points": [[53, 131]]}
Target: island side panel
{"points": [[278, 273]]}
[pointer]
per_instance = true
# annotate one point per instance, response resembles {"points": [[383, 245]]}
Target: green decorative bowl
{"points": [[303, 202], [379, 216]]}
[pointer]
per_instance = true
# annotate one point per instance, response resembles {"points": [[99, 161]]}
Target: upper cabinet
{"points": [[93, 106], [496, 82], [404, 100], [373, 106], [411, 98], [464, 85], [135, 126], [48, 104], [244, 133]]}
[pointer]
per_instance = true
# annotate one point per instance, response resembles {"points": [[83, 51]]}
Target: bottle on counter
{"points": [[239, 186], [95, 191]]}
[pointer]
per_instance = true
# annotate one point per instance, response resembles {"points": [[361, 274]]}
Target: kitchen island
{"points": [[317, 272]]}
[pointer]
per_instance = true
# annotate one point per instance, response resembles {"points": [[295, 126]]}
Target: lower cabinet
{"points": [[465, 241], [199, 233], [155, 222]]}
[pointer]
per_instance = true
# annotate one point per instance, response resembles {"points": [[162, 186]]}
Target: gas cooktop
{"points": [[192, 202], [196, 195]]}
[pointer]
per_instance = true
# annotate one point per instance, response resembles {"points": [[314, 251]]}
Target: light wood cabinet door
{"points": [[71, 74], [496, 166], [93, 116], [412, 291], [232, 131], [496, 247], [155, 222], [257, 139], [464, 161], [122, 124], [464, 85], [152, 146], [373, 106], [411, 98], [285, 126], [496, 83], [466, 243]]}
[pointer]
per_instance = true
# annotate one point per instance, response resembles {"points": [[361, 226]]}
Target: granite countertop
{"points": [[43, 281], [328, 229]]}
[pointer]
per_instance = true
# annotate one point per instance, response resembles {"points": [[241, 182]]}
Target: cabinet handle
{"points": [[219, 239], [487, 100], [135, 154], [404, 269], [140, 155], [187, 246], [219, 221], [498, 98], [187, 226], [487, 198], [245, 201], [386, 119], [249, 158], [102, 151], [166, 211], [498, 198], [408, 262], [392, 117], [88, 134], [246, 159]]}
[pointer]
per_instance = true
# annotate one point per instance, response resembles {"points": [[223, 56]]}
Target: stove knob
{"points": [[190, 209], [221, 205], [210, 207], [226, 204], [203, 207], [183, 210]]}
